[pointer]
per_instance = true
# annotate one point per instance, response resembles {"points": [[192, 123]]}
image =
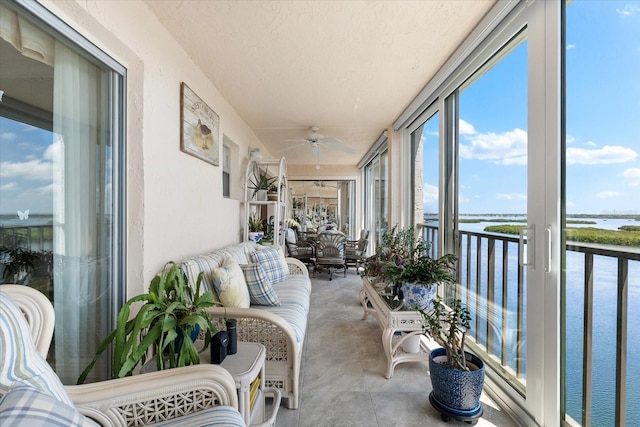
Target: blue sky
{"points": [[603, 128], [603, 121], [26, 168]]}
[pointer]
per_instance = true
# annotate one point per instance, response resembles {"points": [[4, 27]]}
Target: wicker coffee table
{"points": [[393, 318]]}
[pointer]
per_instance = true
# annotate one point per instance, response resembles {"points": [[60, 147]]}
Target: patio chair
{"points": [[303, 250], [330, 252], [192, 395], [356, 249]]}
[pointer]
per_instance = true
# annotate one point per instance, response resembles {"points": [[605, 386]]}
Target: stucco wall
{"points": [[175, 203]]}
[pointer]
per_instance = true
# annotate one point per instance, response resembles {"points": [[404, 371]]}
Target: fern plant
{"points": [[171, 310]]}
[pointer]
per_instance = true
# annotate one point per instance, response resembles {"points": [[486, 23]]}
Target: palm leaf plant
{"points": [[170, 311], [261, 181]]}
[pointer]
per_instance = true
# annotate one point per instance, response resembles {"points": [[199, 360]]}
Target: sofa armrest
{"points": [[297, 267], [156, 396], [263, 327]]}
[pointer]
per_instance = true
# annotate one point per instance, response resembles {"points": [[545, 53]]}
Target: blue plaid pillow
{"points": [[272, 262], [27, 406], [260, 290]]}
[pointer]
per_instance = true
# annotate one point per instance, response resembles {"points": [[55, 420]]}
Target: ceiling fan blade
{"points": [[315, 149], [337, 146], [292, 147]]}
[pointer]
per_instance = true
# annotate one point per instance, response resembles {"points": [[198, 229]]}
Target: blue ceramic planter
{"points": [[455, 390], [419, 295]]}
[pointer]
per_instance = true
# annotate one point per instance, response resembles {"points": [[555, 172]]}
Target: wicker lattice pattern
{"points": [[164, 408], [265, 333], [295, 269], [278, 383], [260, 331]]}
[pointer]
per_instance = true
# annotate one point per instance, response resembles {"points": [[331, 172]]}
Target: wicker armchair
{"points": [[356, 249], [193, 395], [330, 252], [303, 250]]}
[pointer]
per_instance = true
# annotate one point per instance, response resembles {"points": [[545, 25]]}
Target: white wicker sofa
{"points": [[280, 328]]}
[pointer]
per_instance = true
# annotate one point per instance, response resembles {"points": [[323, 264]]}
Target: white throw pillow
{"points": [[230, 285]]}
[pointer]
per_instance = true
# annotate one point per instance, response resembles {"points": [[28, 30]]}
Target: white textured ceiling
{"points": [[349, 67]]}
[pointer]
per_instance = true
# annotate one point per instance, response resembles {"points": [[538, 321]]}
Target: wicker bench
{"points": [[281, 329]]}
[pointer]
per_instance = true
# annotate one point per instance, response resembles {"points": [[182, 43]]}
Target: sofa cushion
{"points": [[223, 416], [230, 285], [203, 264], [294, 294], [260, 289], [273, 263], [27, 406], [21, 363]]}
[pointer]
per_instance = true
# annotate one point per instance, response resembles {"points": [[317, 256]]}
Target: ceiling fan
{"points": [[316, 140]]}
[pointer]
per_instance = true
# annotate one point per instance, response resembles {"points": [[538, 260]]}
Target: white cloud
{"points": [[32, 169], [632, 173], [465, 128], [7, 136], [608, 194], [8, 186], [508, 148], [605, 155], [570, 204], [634, 176], [429, 193], [54, 151], [571, 46], [590, 144], [512, 196], [628, 10], [570, 139]]}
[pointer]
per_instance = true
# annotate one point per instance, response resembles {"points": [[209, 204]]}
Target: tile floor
{"points": [[342, 373]]}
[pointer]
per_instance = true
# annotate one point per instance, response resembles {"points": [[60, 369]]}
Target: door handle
{"points": [[547, 245], [526, 251]]}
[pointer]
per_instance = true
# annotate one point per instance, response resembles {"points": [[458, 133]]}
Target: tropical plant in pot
{"points": [[170, 311], [394, 246], [256, 227], [260, 183], [457, 376], [403, 260]]}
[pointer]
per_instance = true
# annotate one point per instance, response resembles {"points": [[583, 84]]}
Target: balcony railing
{"points": [[493, 285]]}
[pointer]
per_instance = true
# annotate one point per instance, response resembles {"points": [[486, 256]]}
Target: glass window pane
{"points": [[492, 192], [56, 187], [602, 212]]}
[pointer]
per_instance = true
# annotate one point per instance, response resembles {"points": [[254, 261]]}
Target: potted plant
{"points": [[170, 311], [260, 183], [392, 248], [272, 192], [403, 260], [256, 227], [457, 376]]}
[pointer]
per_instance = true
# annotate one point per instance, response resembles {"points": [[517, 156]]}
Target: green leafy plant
{"points": [[261, 181], [448, 327], [170, 311], [402, 258], [255, 223]]}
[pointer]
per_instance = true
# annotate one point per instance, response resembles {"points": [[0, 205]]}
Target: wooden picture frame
{"points": [[199, 127]]}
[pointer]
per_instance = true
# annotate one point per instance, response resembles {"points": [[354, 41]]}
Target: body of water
{"points": [[604, 323]]}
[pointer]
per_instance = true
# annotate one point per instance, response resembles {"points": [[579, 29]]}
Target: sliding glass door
{"points": [[601, 213]]}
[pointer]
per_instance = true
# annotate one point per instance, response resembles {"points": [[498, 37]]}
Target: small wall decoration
{"points": [[199, 126]]}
